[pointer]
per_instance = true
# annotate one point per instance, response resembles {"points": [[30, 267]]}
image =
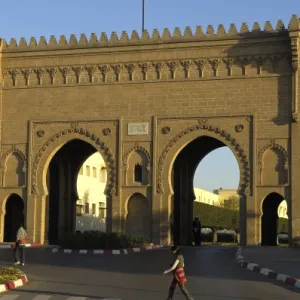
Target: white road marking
{"points": [[77, 298], [9, 297], [42, 297]]}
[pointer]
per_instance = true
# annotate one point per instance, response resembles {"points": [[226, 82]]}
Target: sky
{"points": [[56, 17]]}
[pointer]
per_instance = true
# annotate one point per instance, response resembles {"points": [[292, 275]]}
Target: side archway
{"points": [[138, 216], [269, 219], [13, 209]]}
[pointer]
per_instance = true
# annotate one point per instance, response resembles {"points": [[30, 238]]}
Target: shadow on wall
{"points": [[274, 57]]}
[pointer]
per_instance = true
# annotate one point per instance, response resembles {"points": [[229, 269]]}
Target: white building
{"points": [[206, 197], [91, 206]]}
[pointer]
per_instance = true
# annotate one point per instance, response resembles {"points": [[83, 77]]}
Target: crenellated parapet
{"points": [[146, 39], [184, 69]]}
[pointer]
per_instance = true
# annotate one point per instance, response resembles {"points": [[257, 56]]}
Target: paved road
{"points": [[282, 260], [212, 275]]}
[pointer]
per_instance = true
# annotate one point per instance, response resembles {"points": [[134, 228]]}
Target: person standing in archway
{"points": [[178, 275], [19, 251], [197, 231]]}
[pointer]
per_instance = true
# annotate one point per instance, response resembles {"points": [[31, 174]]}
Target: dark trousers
{"points": [[197, 238], [19, 253], [172, 288]]}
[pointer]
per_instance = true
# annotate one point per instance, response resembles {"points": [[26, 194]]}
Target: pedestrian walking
{"points": [[19, 251], [179, 278]]}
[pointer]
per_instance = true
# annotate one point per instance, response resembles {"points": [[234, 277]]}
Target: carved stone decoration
{"points": [[26, 73], [245, 178], [52, 72], [295, 116], [239, 128], [77, 71], [144, 67], [248, 118], [295, 58], [136, 147], [39, 73], [166, 130], [272, 145], [130, 68], [65, 72], [259, 63], [158, 67], [91, 70], [99, 145], [13, 74], [74, 125], [229, 63], [106, 131], [244, 62], [202, 120], [215, 64], [172, 66], [117, 70], [201, 63], [104, 69], [186, 65], [12, 150], [40, 133]]}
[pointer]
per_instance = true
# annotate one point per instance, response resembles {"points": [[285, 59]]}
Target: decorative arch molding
{"points": [[7, 197], [273, 145], [245, 178], [136, 147], [98, 144], [10, 151]]}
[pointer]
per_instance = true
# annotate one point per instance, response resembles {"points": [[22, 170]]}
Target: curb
{"points": [[113, 252], [10, 285], [11, 246], [264, 271]]}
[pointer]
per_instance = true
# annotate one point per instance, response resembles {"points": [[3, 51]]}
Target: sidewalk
{"points": [[282, 260]]}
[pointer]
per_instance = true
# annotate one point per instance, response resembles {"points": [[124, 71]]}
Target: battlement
{"points": [[156, 38]]}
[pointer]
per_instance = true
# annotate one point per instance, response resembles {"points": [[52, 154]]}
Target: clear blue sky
{"points": [[56, 17]]}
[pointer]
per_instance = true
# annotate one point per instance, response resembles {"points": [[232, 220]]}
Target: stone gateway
{"points": [[153, 106]]}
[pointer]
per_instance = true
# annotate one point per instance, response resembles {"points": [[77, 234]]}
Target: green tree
{"points": [[86, 196]]}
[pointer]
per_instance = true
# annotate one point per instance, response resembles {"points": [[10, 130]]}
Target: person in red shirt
{"points": [[179, 278]]}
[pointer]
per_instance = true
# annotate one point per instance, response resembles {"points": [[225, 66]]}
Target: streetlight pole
{"points": [[143, 16]]}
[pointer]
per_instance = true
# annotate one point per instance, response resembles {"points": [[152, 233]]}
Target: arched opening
{"points": [[91, 203], [138, 216], [269, 219], [14, 217], [138, 173], [63, 195], [186, 169]]}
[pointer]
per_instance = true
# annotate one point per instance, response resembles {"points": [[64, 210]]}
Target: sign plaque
{"points": [[138, 128]]}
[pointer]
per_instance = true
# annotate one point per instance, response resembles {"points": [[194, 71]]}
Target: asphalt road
{"points": [[212, 275]]}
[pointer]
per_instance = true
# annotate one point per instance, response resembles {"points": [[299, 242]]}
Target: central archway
{"points": [[183, 172], [14, 217]]}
